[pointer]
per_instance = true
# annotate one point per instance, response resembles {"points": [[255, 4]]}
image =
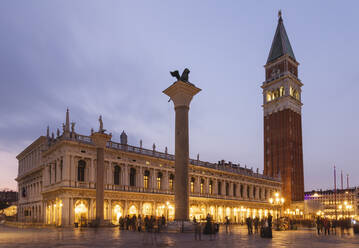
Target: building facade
{"points": [[57, 183], [342, 203], [283, 152]]}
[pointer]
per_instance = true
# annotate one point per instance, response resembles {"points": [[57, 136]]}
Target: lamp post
{"points": [[277, 202]]}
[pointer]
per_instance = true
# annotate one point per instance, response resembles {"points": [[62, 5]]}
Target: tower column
{"points": [[181, 93], [181, 164], [100, 139]]}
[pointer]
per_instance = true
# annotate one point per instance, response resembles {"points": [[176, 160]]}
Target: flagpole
{"points": [[335, 193]]}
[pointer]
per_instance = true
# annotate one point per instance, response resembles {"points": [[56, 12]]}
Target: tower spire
{"points": [[280, 45]]}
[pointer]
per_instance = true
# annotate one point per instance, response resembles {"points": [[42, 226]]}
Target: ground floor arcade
{"points": [[67, 207]]}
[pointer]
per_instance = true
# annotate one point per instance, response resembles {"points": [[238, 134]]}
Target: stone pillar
{"points": [[72, 211], [65, 212], [100, 139], [126, 175], [165, 178], [140, 177], [73, 169], [245, 189], [110, 210], [181, 93]]}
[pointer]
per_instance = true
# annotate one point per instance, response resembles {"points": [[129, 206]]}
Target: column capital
{"points": [[100, 139], [181, 93]]}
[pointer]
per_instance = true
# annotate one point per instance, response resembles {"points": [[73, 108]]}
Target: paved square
{"points": [[113, 237]]}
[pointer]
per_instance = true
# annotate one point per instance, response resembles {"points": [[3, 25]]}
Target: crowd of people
{"points": [[264, 226], [207, 226], [148, 224], [326, 226]]}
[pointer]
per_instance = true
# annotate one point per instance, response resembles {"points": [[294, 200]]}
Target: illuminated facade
{"points": [[283, 151], [57, 181], [343, 204]]}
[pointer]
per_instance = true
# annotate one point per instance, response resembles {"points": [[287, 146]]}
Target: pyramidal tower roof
{"points": [[280, 44]]}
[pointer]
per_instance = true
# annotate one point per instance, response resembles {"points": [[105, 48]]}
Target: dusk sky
{"points": [[113, 58]]}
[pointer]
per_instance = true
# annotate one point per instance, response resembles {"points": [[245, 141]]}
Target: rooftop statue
{"points": [[101, 130], [183, 77]]}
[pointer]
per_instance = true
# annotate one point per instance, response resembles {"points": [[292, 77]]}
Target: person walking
{"points": [[139, 223], [228, 223], [256, 224], [249, 225], [134, 223], [197, 229], [320, 225], [128, 221]]}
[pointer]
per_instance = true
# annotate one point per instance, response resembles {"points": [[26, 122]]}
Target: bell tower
{"points": [[282, 108]]}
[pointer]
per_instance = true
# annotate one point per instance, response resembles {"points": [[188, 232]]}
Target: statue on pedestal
{"points": [[101, 130], [183, 77]]}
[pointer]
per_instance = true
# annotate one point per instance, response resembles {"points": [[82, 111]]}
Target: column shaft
{"points": [[181, 163], [100, 185]]}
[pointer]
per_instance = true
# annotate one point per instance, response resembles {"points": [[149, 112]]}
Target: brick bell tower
{"points": [[283, 152]]}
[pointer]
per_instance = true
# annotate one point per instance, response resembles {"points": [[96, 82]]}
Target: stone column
{"points": [[245, 188], [72, 211], [65, 212], [181, 93], [110, 210], [100, 139], [73, 170]]}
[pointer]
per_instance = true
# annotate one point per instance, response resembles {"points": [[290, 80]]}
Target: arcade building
{"points": [[57, 183]]}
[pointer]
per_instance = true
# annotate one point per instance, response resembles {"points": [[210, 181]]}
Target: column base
{"points": [[180, 226]]}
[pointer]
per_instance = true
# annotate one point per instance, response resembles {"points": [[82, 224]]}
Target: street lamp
{"points": [[277, 202]]}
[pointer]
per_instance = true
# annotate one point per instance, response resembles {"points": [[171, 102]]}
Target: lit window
{"points": [[170, 182], [145, 182], [145, 179], [192, 185], [201, 188], [281, 91], [210, 189], [158, 183]]}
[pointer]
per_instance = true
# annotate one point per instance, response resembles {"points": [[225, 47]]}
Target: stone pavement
{"points": [[113, 237]]}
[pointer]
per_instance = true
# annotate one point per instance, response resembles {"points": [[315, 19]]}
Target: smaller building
{"points": [[7, 198], [342, 203]]}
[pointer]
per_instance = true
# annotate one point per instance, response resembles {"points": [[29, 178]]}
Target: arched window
{"points": [[192, 184], [202, 185], [146, 177], [132, 177], [210, 190], [281, 89], [117, 175], [219, 185], [159, 177], [276, 93], [81, 171], [171, 181]]}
